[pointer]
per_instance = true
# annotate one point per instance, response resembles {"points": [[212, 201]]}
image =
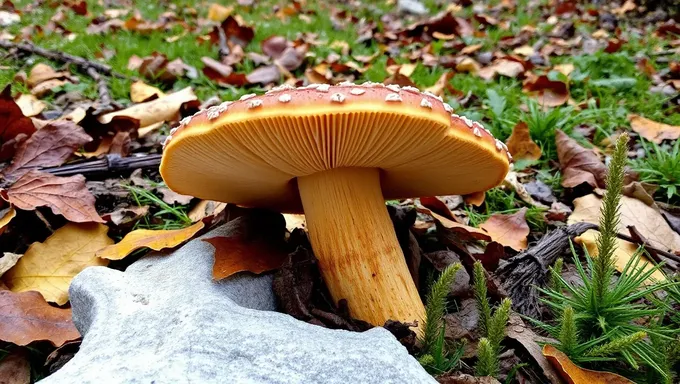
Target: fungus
{"points": [[337, 153]]}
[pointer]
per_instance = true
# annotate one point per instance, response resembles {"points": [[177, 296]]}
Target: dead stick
{"points": [[62, 57], [110, 164]]}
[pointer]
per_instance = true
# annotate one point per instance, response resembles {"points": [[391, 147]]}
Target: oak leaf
{"points": [[66, 196], [26, 317], [508, 230], [49, 267], [652, 130], [520, 144], [147, 238], [49, 147], [14, 126], [573, 374]]}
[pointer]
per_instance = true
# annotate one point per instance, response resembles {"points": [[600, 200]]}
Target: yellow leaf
{"points": [[218, 12], [647, 220], [573, 374], [147, 238], [163, 109], [7, 216], [49, 267], [140, 91], [30, 105]]}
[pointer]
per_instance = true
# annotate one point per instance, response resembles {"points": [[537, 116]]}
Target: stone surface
{"points": [[165, 321]]}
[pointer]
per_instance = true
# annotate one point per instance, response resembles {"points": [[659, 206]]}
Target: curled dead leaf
{"points": [[147, 238], [549, 93], [520, 144], [50, 266], [16, 126], [162, 109], [573, 374]]}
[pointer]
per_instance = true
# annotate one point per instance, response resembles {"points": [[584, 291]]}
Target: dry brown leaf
{"points": [[162, 109], [67, 196], [403, 69], [42, 72], [51, 146], [524, 50], [143, 131], [647, 220], [123, 216], [469, 65], [15, 368], [147, 238], [511, 182], [16, 126], [218, 12], [520, 144], [237, 254], [462, 231], [46, 87], [578, 165], [549, 93], [140, 91], [573, 374], [49, 267], [652, 130], [442, 84], [6, 215], [503, 67], [30, 105], [7, 261], [526, 337], [206, 208], [509, 230], [26, 317], [435, 204]]}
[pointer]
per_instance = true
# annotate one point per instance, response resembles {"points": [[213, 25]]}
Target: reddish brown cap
{"points": [[250, 151]]}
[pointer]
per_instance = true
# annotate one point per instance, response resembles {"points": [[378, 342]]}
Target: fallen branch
{"points": [[110, 164], [81, 62]]}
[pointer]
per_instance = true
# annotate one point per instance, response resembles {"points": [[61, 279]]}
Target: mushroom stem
{"points": [[358, 251]]}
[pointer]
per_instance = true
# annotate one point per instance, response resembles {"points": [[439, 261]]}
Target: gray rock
{"points": [[165, 321], [414, 7]]}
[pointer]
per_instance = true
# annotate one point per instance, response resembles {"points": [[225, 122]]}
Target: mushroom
{"points": [[337, 153]]}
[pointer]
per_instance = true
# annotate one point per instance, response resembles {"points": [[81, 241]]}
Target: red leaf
{"points": [[26, 317], [14, 126], [49, 147], [508, 230], [67, 196]]}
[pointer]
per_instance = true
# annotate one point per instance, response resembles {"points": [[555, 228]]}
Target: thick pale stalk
{"points": [[354, 240]]}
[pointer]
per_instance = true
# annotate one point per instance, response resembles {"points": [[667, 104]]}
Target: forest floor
{"points": [[93, 88]]}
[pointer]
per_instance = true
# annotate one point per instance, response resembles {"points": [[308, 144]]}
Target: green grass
{"points": [[165, 216], [661, 166]]}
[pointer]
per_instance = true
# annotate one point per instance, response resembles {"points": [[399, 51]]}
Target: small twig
{"points": [[112, 163], [224, 49], [82, 63], [105, 102]]}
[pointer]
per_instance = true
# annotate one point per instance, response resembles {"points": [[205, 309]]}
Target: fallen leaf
{"points": [[7, 215], [26, 317], [509, 230], [511, 182], [123, 216], [573, 374], [549, 93], [47, 87], [442, 84], [16, 126], [647, 220], [65, 196], [235, 32], [652, 130], [50, 266], [7, 261], [30, 105], [402, 69], [237, 254], [218, 12], [503, 67], [435, 204], [578, 165], [520, 144], [206, 208], [15, 368], [221, 73], [565, 69], [140, 91], [147, 238], [42, 72], [264, 75], [51, 146], [524, 50], [162, 109], [518, 331], [461, 231]]}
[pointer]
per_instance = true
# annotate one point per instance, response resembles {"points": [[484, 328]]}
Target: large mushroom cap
{"points": [[251, 151]]}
